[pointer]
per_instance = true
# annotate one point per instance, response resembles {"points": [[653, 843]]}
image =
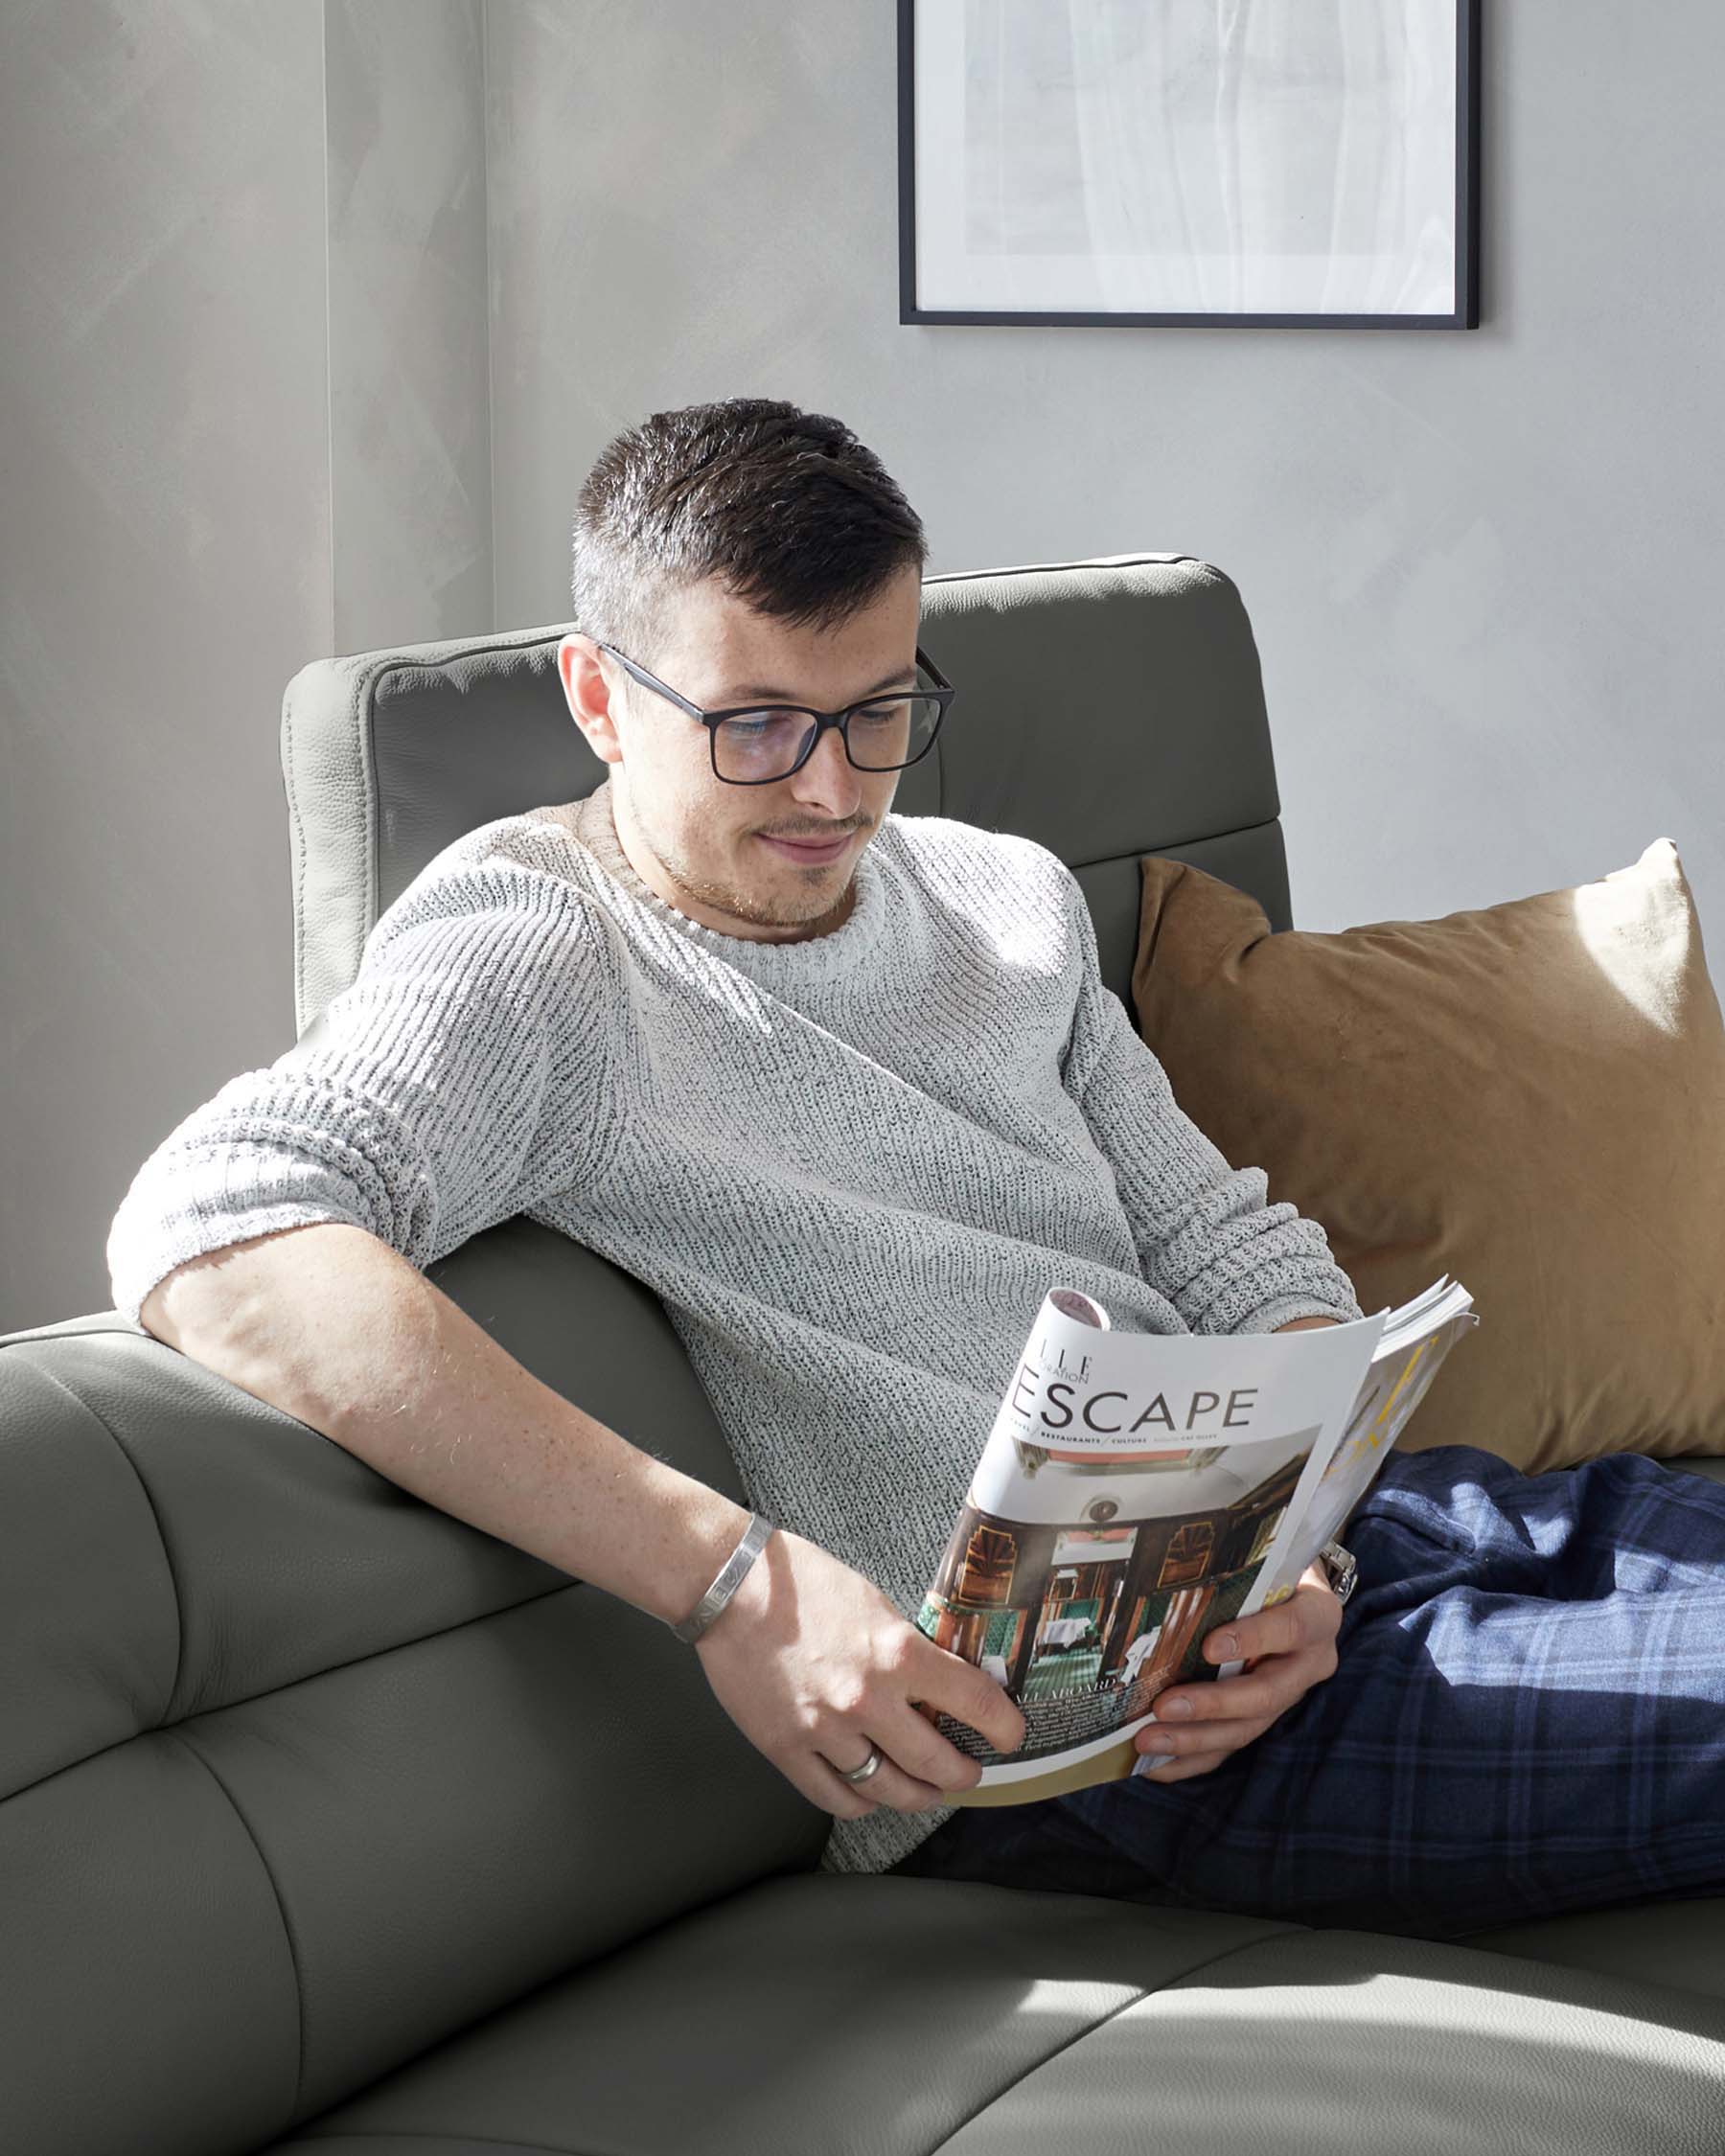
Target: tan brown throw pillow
{"points": [[1530, 1097]]}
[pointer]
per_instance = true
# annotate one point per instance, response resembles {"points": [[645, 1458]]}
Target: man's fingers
{"points": [[1235, 1711], [1198, 1750], [1178, 1769], [1312, 1612], [1295, 1644], [1271, 1632], [1201, 1736], [1265, 1691]]}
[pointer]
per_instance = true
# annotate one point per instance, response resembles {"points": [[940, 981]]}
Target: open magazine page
{"points": [[1417, 1338], [1136, 1490]]}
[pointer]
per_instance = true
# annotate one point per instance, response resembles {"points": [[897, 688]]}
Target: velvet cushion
{"points": [[1530, 1096]]}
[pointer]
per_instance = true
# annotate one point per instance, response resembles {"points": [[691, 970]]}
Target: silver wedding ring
{"points": [[867, 1768]]}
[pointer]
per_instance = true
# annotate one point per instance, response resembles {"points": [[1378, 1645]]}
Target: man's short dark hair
{"points": [[787, 509]]}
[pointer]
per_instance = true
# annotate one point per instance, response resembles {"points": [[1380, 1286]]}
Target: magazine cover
{"points": [[1140, 1489]]}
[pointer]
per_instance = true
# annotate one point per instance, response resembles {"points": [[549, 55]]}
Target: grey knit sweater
{"points": [[850, 1167]]}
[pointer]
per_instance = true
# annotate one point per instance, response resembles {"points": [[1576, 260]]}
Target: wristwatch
{"points": [[1343, 1568]]}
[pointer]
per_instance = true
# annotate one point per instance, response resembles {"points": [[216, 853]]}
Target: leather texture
{"points": [[330, 1821], [1070, 674]]}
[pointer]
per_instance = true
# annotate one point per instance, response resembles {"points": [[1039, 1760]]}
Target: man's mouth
{"points": [[815, 853]]}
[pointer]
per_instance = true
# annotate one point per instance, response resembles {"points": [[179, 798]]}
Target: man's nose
{"points": [[829, 779]]}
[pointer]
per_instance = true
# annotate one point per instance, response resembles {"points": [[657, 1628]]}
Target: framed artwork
{"points": [[1206, 164]]}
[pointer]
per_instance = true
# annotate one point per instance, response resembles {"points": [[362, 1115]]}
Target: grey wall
{"points": [[245, 421], [319, 314]]}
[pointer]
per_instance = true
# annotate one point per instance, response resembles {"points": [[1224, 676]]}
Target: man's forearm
{"points": [[336, 1329]]}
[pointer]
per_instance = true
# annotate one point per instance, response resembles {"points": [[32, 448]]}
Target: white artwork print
{"points": [[1186, 156]]}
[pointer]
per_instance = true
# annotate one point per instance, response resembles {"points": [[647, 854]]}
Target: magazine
{"points": [[1137, 1491]]}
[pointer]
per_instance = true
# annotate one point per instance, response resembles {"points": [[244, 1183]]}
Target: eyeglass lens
{"points": [[882, 737]]}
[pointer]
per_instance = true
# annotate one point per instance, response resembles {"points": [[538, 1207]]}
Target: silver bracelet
{"points": [[730, 1580]]}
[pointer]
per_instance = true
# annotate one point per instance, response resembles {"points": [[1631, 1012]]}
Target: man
{"points": [[846, 1089]]}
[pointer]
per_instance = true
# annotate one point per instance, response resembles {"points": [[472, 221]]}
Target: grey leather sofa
{"points": [[327, 1822]]}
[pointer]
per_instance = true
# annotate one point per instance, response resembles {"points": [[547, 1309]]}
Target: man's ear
{"points": [[586, 692]]}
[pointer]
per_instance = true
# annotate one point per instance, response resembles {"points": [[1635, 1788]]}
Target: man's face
{"points": [[703, 845]]}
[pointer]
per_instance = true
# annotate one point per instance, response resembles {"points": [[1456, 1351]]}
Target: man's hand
{"points": [[816, 1667], [1296, 1641], [1287, 1650]]}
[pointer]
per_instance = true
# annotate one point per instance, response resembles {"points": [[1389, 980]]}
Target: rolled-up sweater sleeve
{"points": [[450, 1086], [1228, 1261]]}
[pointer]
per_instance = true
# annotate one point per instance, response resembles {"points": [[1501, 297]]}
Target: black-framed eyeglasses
{"points": [[752, 744]]}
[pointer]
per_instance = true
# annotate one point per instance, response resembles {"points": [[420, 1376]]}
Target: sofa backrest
{"points": [[298, 1775], [1106, 708]]}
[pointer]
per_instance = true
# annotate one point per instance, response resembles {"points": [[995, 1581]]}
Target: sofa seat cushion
{"points": [[885, 2016]]}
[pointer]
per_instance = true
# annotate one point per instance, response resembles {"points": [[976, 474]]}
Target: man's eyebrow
{"points": [[784, 696]]}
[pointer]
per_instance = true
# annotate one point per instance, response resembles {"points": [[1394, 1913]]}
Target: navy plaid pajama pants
{"points": [[1527, 1716]]}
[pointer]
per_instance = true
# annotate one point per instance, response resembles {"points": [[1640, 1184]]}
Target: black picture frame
{"points": [[1463, 315]]}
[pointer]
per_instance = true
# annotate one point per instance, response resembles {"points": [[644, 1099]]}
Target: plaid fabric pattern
{"points": [[1527, 1716]]}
